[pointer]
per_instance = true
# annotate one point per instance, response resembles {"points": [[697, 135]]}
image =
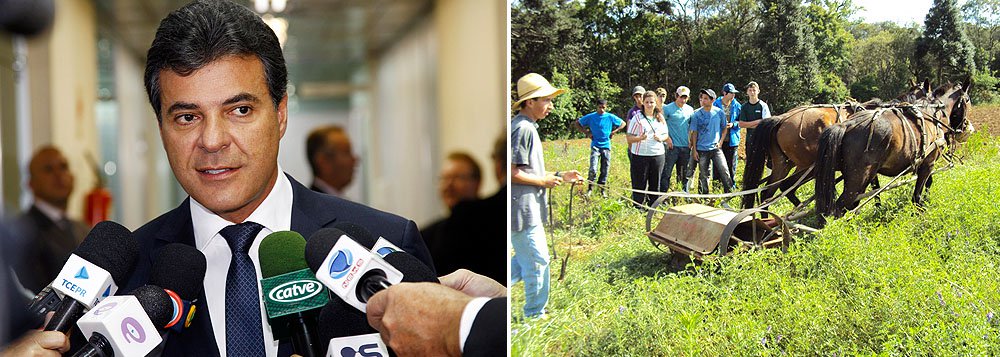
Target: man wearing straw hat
{"points": [[529, 180]]}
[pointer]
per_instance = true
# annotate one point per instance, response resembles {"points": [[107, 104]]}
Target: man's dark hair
{"points": [[477, 173], [316, 142], [204, 31], [602, 102]]}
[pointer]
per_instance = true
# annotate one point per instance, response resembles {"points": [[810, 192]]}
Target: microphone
{"points": [[344, 331], [292, 296], [380, 247], [93, 272], [348, 268], [414, 270], [180, 270], [127, 325]]}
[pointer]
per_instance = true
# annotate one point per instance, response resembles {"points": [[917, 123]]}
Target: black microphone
{"points": [[344, 331], [126, 325], [180, 270], [93, 272]]}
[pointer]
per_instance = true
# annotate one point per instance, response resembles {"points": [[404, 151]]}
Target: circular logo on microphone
{"points": [[385, 251], [341, 263], [132, 331]]}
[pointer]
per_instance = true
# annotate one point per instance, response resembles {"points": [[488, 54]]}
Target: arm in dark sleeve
{"points": [[488, 336]]}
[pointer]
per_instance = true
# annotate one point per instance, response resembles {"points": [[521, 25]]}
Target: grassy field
{"points": [[891, 280]]}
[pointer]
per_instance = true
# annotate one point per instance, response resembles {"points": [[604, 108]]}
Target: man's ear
{"points": [[282, 116]]}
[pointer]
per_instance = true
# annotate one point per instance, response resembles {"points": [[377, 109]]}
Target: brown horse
{"points": [[791, 140], [889, 141]]}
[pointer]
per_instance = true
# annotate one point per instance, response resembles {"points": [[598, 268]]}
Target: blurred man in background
{"points": [[51, 234], [474, 236], [331, 159], [460, 180]]}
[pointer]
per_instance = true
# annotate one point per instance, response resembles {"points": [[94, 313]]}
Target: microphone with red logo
{"points": [[180, 270], [101, 263], [126, 325], [347, 268], [414, 270]]}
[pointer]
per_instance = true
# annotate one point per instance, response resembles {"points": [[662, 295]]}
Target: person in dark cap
{"points": [[731, 110]]}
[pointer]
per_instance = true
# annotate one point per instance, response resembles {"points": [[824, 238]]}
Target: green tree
{"points": [[881, 61], [982, 25], [943, 51], [788, 65]]}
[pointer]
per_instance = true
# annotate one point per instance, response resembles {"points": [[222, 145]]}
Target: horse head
{"points": [[957, 104]]}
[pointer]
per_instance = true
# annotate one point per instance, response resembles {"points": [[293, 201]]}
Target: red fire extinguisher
{"points": [[97, 203]]}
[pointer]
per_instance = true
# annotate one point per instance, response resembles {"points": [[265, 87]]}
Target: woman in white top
{"points": [[647, 131]]}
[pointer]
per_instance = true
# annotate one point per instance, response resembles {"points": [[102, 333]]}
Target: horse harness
{"points": [[918, 116]]}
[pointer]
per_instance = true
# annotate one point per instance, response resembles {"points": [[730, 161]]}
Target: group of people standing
{"points": [[668, 139], [663, 139]]}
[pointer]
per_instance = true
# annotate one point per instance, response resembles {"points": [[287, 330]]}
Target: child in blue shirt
{"points": [[599, 127]]}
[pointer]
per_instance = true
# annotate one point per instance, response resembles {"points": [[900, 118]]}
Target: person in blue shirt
{"points": [[731, 110], [678, 114], [599, 126], [708, 129]]}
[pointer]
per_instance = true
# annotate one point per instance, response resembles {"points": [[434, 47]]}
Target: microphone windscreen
{"points": [[110, 246], [156, 303], [414, 271], [338, 319], [358, 233], [319, 246], [180, 268], [282, 252]]}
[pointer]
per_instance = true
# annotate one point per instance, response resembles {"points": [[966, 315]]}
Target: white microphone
{"points": [[84, 281], [347, 268], [126, 325]]}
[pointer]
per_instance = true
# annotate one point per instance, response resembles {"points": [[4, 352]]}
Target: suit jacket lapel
{"points": [[308, 213], [199, 338]]}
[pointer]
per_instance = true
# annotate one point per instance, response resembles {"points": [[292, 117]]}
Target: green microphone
{"points": [[292, 295]]}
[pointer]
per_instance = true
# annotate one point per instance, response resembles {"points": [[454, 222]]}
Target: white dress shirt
{"points": [[275, 214]]}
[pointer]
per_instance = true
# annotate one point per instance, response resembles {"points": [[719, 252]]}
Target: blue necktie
{"points": [[244, 331]]}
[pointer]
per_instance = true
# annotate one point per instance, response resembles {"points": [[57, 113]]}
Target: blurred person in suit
{"points": [[331, 159], [51, 234], [474, 236]]}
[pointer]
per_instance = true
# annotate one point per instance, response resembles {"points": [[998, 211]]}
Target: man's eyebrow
{"points": [[242, 97], [181, 106]]}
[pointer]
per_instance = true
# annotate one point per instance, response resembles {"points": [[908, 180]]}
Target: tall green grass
{"points": [[891, 280]]}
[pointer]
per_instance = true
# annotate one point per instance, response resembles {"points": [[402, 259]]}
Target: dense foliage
{"points": [[800, 51]]}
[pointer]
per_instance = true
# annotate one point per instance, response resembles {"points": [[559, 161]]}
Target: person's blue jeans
{"points": [[677, 157], [602, 157], [718, 162], [530, 264]]}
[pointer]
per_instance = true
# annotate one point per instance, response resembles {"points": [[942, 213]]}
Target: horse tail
{"points": [[827, 160], [757, 150]]}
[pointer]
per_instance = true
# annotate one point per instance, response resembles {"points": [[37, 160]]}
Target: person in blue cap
{"points": [[731, 110]]}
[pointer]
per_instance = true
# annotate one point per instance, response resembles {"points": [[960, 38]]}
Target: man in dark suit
{"points": [[52, 235], [216, 79], [474, 236], [331, 159]]}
